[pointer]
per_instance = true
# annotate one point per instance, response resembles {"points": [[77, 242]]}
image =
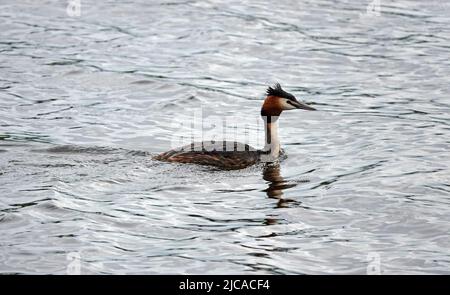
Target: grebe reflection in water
{"points": [[235, 155], [277, 184]]}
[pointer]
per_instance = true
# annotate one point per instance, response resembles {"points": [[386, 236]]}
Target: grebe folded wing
{"points": [[222, 154]]}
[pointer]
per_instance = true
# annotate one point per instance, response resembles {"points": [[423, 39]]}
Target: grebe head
{"points": [[278, 100]]}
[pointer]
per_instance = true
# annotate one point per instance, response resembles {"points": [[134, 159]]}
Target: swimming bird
{"points": [[230, 155]]}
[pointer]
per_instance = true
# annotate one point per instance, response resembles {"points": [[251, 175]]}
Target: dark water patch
{"points": [[143, 82], [75, 149], [25, 137], [64, 62]]}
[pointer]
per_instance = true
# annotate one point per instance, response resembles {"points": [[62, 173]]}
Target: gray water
{"points": [[85, 101]]}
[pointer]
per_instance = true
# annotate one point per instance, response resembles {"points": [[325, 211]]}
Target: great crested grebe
{"points": [[234, 155]]}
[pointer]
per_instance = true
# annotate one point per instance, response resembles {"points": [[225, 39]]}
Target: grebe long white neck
{"points": [[272, 142]]}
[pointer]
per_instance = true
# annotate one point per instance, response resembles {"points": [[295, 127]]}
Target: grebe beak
{"points": [[303, 106]]}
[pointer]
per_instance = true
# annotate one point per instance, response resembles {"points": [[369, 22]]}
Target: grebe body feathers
{"points": [[226, 155]]}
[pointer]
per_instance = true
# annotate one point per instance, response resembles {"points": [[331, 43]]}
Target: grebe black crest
{"points": [[234, 155]]}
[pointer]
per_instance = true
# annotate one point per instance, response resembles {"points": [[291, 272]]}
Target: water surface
{"points": [[86, 101]]}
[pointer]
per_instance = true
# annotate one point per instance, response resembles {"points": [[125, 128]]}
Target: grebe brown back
{"points": [[234, 155]]}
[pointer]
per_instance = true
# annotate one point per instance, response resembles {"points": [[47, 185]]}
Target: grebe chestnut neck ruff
{"points": [[230, 155]]}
